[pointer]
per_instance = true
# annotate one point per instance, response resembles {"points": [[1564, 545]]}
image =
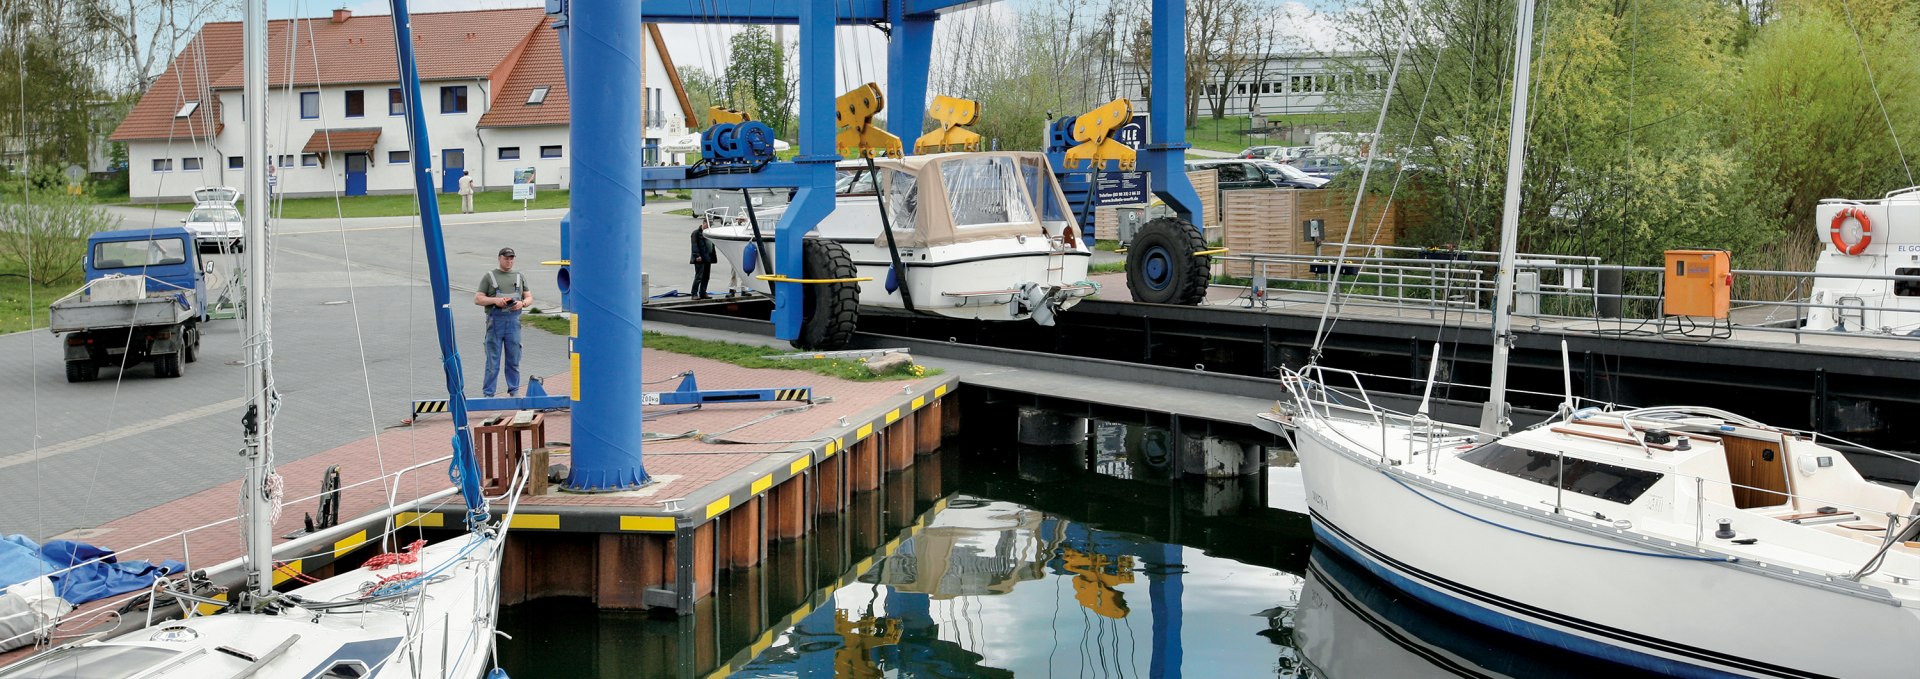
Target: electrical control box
{"points": [[1699, 283]]}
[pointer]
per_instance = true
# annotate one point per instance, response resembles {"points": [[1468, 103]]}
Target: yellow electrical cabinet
{"points": [[1699, 283]]}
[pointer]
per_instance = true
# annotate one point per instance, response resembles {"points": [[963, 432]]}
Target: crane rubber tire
{"points": [[830, 311], [1161, 266]]}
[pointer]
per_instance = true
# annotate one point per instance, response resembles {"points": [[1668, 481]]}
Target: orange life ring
{"points": [[1866, 231]]}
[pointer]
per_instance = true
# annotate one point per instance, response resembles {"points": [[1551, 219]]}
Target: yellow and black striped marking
{"points": [[793, 394], [425, 407]]}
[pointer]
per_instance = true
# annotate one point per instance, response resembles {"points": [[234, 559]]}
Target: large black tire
{"points": [[167, 365], [82, 371], [831, 310], [1161, 266]]}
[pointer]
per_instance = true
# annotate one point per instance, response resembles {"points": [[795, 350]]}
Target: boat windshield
{"points": [[903, 203], [136, 253], [984, 192], [854, 183], [1609, 482], [91, 662], [1040, 185]]}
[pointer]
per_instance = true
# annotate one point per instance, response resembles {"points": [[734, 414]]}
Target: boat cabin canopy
{"points": [[947, 198]]}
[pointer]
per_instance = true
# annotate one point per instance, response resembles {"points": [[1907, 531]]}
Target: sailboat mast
{"points": [[1493, 417], [258, 531]]}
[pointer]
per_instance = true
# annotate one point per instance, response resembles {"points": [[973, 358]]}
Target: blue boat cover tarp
{"points": [[21, 559]]}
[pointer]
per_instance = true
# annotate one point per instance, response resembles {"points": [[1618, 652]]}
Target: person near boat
{"points": [[702, 260], [504, 293]]}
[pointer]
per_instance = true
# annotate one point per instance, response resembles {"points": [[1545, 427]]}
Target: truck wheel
{"points": [[82, 371], [1161, 266], [831, 310], [192, 348], [166, 365]]}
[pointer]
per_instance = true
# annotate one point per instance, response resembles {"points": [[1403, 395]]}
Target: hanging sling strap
{"points": [[893, 249]]}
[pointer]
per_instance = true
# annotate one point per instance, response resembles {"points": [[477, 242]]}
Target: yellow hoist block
{"points": [[1094, 130], [953, 114], [721, 114], [1096, 579], [1699, 283], [853, 113]]}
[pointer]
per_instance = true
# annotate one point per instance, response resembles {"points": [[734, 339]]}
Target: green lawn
{"points": [[401, 204], [1106, 267], [745, 355], [16, 313]]}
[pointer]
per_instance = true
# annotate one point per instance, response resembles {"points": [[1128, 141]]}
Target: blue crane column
{"points": [[1164, 156], [909, 56], [813, 198], [605, 133]]}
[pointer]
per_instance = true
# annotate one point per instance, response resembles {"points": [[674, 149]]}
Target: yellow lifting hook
{"points": [[953, 114], [1093, 130], [853, 113]]}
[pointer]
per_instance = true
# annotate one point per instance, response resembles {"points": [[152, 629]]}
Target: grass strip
{"points": [[748, 355]]}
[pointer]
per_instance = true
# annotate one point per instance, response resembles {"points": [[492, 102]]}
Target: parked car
{"points": [[215, 219], [1258, 151], [1235, 174], [1324, 167], [1287, 176], [1289, 154]]}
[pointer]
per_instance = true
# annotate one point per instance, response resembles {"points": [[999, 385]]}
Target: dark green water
{"points": [[993, 560]]}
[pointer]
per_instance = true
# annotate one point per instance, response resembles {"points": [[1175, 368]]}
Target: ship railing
{"points": [[1896, 523], [1567, 291], [180, 546]]}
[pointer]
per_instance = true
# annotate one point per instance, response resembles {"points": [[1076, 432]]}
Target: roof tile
{"points": [[538, 66], [214, 51], [341, 141]]}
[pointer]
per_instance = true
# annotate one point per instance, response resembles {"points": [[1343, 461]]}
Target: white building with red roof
{"points": [[492, 84]]}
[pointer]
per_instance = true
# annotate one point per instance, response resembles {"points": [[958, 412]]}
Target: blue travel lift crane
{"points": [[600, 238]]}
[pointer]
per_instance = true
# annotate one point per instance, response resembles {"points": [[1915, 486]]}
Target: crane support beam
{"points": [[1164, 156], [909, 58], [858, 12]]}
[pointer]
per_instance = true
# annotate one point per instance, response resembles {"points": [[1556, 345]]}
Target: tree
{"points": [[758, 80], [704, 90]]}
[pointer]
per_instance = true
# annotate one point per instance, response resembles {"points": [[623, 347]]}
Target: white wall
{"points": [[548, 172]]}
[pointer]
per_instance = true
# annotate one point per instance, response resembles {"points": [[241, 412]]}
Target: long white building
{"points": [[492, 84]]}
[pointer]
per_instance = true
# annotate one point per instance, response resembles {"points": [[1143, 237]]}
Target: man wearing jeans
{"points": [[504, 293]]}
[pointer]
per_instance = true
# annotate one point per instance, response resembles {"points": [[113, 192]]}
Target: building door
{"points": [[453, 164], [356, 174]]}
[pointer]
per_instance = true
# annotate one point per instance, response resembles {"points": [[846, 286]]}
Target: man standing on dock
{"points": [[504, 293], [703, 256]]}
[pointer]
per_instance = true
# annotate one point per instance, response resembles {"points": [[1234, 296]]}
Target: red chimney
{"points": [[340, 16]]}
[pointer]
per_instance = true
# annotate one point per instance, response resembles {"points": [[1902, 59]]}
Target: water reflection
{"points": [[995, 560]]}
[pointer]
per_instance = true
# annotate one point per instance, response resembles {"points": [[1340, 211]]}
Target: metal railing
{"points": [[1552, 288]]}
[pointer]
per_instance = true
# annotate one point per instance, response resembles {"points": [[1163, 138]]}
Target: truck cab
{"points": [[166, 255]]}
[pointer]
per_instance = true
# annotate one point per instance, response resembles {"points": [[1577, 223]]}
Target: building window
{"points": [[236, 162], [396, 103], [356, 103], [538, 96], [163, 165], [509, 153], [550, 151], [188, 109], [310, 160], [453, 99], [286, 161], [1242, 88], [190, 164], [399, 157], [309, 105]]}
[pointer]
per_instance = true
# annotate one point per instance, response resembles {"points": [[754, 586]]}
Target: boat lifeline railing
{"points": [[156, 550], [1896, 523]]}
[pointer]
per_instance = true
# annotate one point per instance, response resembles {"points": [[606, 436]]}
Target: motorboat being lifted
{"points": [[980, 235]]}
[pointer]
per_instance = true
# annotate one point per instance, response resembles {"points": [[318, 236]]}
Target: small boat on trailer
{"points": [[980, 235]]}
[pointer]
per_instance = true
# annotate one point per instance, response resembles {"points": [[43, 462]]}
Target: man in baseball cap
{"points": [[503, 292]]}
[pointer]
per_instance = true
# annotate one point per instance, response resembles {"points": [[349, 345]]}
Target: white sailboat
{"points": [[1684, 540], [420, 612]]}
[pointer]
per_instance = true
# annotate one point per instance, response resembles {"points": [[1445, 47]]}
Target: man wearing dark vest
{"points": [[504, 293], [703, 256]]}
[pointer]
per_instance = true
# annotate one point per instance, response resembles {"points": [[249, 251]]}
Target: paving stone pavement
{"points": [[80, 455]]}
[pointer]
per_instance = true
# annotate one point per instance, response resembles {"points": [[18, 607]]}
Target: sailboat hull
{"points": [[1585, 593]]}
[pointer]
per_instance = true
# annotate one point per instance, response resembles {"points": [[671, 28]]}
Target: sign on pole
{"points": [[523, 183], [1124, 188]]}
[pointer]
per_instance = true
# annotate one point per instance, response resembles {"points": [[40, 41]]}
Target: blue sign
{"points": [[1124, 188]]}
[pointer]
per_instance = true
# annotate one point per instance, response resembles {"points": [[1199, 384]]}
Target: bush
{"points": [[46, 237]]}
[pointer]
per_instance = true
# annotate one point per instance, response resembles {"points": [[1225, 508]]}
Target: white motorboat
{"points": [[982, 235], [425, 611], [1683, 540], [1868, 240]]}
